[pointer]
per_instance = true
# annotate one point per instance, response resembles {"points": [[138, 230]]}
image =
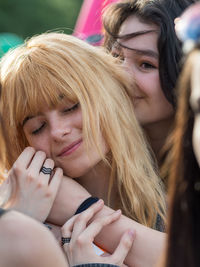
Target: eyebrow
{"points": [[146, 52], [134, 34], [129, 36]]}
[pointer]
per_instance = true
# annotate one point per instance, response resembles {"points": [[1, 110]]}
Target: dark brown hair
{"points": [[161, 13], [184, 223]]}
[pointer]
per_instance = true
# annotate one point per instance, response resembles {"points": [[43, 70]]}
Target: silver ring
{"points": [[65, 240], [46, 170]]}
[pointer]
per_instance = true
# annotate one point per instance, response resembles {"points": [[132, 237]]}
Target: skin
{"points": [[141, 60], [64, 206], [195, 105], [26, 180], [148, 243], [19, 245], [83, 233], [52, 131]]}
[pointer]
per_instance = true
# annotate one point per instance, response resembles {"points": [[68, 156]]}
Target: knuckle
{"points": [[80, 218], [41, 154], [39, 185], [85, 215], [80, 241], [126, 243], [49, 193], [30, 177], [17, 169], [30, 149], [65, 231], [49, 161], [59, 172], [102, 221], [99, 221]]}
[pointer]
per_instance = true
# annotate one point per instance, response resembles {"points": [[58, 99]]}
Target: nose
{"points": [[60, 126]]}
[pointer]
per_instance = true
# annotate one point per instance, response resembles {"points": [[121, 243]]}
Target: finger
{"points": [[36, 164], [24, 158], [96, 226], [123, 247], [67, 228], [44, 178], [84, 217], [55, 181]]}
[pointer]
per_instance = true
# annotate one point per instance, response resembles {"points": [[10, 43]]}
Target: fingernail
{"points": [[131, 233], [118, 211], [100, 201]]}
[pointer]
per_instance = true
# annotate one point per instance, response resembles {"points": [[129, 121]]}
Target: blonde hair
{"points": [[2, 154], [53, 64]]}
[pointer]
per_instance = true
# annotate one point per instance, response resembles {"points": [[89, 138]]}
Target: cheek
{"points": [[29, 138], [77, 120], [39, 143], [149, 84]]}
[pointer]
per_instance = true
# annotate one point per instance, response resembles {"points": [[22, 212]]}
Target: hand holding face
{"points": [[81, 234], [33, 191]]}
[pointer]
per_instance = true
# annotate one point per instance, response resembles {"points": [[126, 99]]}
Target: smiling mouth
{"points": [[71, 148]]}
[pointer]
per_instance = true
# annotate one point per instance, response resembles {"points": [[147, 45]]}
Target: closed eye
{"points": [[38, 130], [74, 107]]}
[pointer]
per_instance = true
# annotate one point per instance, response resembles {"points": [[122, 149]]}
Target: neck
{"points": [[96, 182], [157, 134]]}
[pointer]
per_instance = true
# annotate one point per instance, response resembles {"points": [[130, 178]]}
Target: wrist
{"points": [[86, 204], [69, 197]]}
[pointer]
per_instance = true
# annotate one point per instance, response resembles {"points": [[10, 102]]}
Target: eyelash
{"points": [[147, 65], [38, 130], [121, 58], [74, 107]]}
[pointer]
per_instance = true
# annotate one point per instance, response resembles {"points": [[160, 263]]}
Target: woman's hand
{"points": [[33, 192], [80, 249]]}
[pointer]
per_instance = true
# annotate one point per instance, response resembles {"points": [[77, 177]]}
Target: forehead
{"points": [[133, 25]]}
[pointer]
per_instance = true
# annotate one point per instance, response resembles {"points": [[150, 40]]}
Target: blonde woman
{"points": [[71, 102]]}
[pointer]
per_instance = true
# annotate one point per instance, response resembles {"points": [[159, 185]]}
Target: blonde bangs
{"points": [[38, 95], [30, 88]]}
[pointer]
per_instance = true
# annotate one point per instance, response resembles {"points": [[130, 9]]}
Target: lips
{"points": [[70, 149]]}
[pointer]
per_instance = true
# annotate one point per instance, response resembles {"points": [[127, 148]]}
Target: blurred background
{"points": [[28, 17], [20, 19]]}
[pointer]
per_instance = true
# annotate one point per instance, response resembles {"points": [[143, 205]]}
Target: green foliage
{"points": [[28, 17]]}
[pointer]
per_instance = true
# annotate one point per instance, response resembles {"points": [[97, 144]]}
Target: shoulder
{"points": [[26, 242]]}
